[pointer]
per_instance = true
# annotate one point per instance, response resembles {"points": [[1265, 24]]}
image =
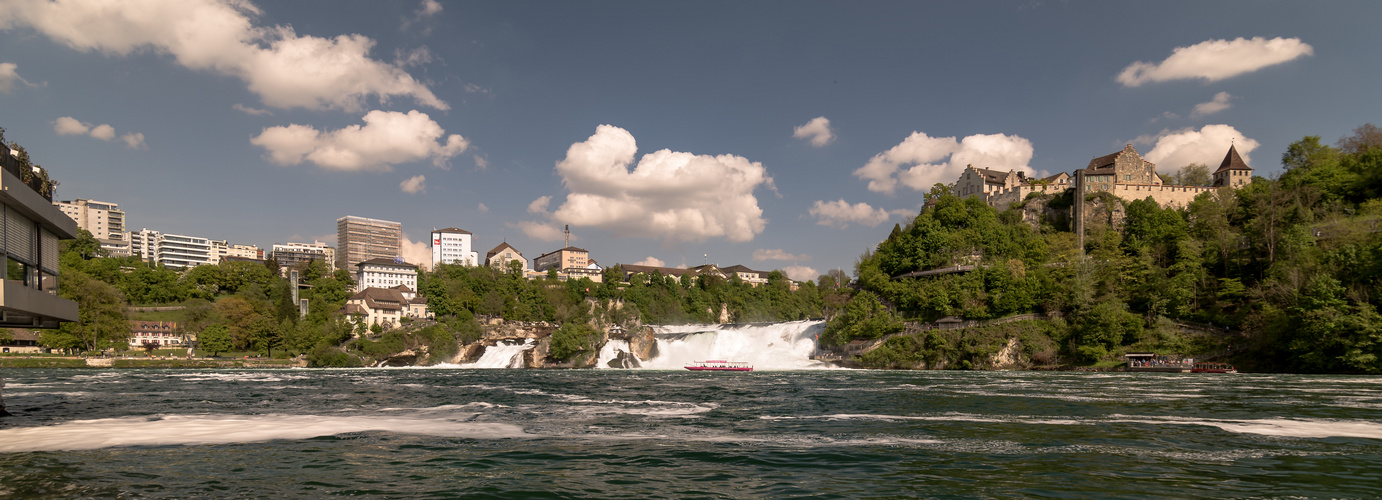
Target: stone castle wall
{"points": [[1165, 196]]}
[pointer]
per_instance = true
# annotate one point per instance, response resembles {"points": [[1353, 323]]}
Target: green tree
{"points": [[101, 313], [1194, 174], [215, 339], [571, 339]]}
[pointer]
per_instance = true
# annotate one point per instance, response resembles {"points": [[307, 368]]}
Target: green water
{"points": [[460, 433]]}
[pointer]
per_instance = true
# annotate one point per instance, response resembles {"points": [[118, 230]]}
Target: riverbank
{"points": [[133, 362]]}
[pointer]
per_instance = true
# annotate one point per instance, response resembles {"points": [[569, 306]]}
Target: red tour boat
{"points": [[720, 366]]}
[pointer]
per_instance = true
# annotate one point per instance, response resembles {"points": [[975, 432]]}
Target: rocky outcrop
{"points": [[1009, 357], [408, 357]]}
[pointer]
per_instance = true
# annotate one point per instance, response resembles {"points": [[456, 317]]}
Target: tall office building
{"points": [[359, 239]]}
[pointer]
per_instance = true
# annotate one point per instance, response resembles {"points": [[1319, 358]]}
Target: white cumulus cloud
{"points": [[1214, 60], [1215, 105], [387, 138], [651, 261], [801, 273], [839, 214], [482, 208], [415, 252], [763, 254], [544, 231], [539, 206], [67, 125], [9, 75], [414, 185], [921, 161], [817, 131], [668, 195], [133, 140], [1208, 145], [285, 69], [103, 132]]}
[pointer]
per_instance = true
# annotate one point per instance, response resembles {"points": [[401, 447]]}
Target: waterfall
{"points": [[505, 354], [775, 346]]}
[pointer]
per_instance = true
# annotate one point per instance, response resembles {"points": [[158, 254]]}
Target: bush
{"points": [[571, 339], [331, 357]]}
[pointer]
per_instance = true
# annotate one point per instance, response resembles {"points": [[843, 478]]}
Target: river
{"points": [[461, 432]]}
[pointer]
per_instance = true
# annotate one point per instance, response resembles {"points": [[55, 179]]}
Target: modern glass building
{"points": [[31, 229]]}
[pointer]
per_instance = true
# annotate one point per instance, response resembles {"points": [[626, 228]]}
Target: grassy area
{"points": [[12, 362]]}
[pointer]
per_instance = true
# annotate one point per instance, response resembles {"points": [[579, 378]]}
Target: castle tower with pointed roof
{"points": [[1233, 171]]}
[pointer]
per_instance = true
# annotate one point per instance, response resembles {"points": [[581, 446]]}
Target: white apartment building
{"points": [[104, 220], [385, 273], [453, 246], [297, 254], [221, 249], [172, 250]]}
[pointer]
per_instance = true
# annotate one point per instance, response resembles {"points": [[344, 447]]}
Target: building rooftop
{"points": [[1232, 161], [452, 230], [380, 261], [501, 248]]}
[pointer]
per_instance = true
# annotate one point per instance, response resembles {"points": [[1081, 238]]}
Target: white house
{"points": [[385, 273], [386, 307]]}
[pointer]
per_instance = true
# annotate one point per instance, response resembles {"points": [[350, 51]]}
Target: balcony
{"points": [[40, 184]]}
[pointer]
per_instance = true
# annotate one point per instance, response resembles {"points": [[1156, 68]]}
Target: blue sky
{"points": [[795, 133]]}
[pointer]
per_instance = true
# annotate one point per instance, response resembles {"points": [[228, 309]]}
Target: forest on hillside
{"points": [[1290, 265]]}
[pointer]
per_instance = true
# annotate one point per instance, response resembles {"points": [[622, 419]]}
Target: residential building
{"points": [[386, 307], [632, 269], [162, 333], [569, 257], [747, 275], [359, 239], [180, 251], [453, 246], [570, 263], [23, 341], [142, 243], [105, 221], [295, 255], [385, 273], [33, 226], [501, 255]]}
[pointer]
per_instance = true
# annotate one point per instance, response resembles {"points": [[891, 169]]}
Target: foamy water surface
{"points": [[462, 432]]}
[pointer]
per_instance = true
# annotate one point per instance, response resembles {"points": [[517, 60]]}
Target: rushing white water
{"points": [[610, 351], [503, 355], [777, 346]]}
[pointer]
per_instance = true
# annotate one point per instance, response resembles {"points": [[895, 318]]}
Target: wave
{"points": [[170, 430]]}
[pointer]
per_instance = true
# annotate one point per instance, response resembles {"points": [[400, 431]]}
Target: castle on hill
{"points": [[1124, 174]]}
